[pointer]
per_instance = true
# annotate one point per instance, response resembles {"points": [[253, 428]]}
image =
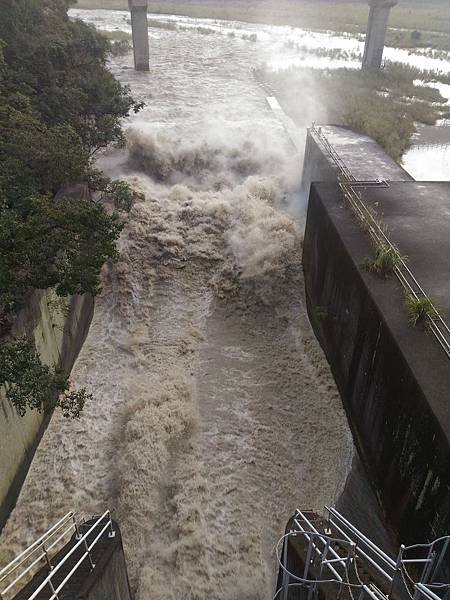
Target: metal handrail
{"points": [[32, 548], [355, 547], [405, 276], [313, 537], [49, 540], [324, 539], [386, 566], [48, 580], [388, 560], [379, 560], [41, 545]]}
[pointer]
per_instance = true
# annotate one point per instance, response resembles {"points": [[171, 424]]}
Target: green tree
{"points": [[35, 158], [60, 65], [61, 244], [59, 105], [29, 384]]}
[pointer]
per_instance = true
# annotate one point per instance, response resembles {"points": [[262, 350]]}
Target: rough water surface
{"points": [[215, 413]]}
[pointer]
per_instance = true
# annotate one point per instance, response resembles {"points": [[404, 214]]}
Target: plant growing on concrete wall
{"points": [[386, 259], [31, 385], [321, 313], [58, 308], [419, 309]]}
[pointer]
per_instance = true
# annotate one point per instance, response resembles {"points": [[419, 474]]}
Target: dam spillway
{"points": [[214, 403], [200, 354]]}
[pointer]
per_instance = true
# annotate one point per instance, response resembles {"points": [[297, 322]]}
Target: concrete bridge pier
{"points": [[139, 28], [376, 32]]}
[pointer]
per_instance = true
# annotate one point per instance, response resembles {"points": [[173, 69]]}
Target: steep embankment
{"points": [[57, 327]]}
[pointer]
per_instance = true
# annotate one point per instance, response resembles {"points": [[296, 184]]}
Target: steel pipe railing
{"points": [[48, 580], [357, 550], [42, 547], [52, 539]]}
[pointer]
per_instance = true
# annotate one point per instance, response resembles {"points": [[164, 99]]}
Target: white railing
{"points": [[41, 554], [383, 564], [350, 186], [328, 560], [334, 560]]}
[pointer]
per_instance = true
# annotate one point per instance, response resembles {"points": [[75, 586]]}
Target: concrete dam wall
{"points": [[58, 327], [394, 379]]}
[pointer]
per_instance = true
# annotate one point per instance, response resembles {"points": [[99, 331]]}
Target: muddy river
{"points": [[215, 413]]}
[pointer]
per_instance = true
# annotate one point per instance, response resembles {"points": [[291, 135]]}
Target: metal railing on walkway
{"points": [[352, 564], [350, 187], [41, 553]]}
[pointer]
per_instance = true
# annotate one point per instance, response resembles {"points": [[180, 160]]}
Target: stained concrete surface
{"points": [[394, 378]]}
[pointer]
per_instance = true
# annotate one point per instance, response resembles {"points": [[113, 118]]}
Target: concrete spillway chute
{"points": [[376, 32], [139, 27]]}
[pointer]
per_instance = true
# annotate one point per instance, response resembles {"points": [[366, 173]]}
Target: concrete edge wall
{"points": [[58, 327], [109, 580], [402, 445]]}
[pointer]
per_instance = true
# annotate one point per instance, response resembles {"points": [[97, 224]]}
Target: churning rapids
{"points": [[215, 413]]}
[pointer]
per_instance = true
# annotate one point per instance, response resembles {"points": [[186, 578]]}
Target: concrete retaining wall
{"points": [[380, 364], [109, 580], [58, 328]]}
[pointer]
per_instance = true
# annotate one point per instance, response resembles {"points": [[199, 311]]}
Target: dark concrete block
{"points": [[394, 379]]}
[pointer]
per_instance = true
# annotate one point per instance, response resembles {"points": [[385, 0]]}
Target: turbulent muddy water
{"points": [[215, 414]]}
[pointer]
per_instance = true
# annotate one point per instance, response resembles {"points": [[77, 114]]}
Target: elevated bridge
{"points": [[373, 52]]}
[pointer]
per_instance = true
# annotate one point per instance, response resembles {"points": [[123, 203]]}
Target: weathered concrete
{"points": [[109, 580], [58, 327], [376, 32], [360, 153], [394, 379], [139, 28]]}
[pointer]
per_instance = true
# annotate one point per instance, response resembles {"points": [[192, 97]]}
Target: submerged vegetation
{"points": [[383, 104], [411, 17], [59, 105]]}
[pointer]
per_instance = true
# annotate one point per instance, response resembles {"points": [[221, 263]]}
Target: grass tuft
{"points": [[386, 259], [419, 310]]}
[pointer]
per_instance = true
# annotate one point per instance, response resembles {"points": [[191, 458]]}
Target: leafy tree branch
{"points": [[30, 385]]}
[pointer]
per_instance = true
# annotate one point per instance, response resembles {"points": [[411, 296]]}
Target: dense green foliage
{"points": [[59, 217], [31, 385], [55, 246], [59, 104]]}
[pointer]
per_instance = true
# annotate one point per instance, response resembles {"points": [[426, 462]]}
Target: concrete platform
{"points": [[363, 156], [417, 215]]}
